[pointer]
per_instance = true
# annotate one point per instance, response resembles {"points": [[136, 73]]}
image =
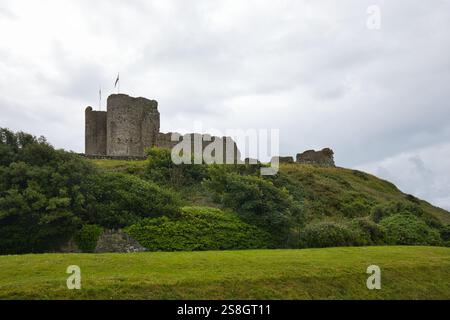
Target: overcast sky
{"points": [[313, 69]]}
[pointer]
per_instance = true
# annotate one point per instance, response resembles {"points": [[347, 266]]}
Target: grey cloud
{"points": [[312, 69]]}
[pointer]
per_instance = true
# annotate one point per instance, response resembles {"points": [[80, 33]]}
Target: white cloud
{"points": [[422, 172]]}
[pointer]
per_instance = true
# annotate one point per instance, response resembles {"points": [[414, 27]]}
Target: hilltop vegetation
{"points": [[49, 196]]}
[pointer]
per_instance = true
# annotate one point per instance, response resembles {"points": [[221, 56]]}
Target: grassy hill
{"points": [[340, 186], [333, 273], [325, 191], [50, 194]]}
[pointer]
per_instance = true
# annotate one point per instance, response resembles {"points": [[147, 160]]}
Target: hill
{"points": [[332, 273], [51, 200], [326, 191]]}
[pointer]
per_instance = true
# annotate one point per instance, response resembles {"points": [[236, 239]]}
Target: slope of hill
{"points": [[333, 273], [51, 198], [325, 191], [339, 187]]}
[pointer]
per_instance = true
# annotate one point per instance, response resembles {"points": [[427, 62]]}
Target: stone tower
{"points": [[127, 128], [95, 132], [132, 125]]}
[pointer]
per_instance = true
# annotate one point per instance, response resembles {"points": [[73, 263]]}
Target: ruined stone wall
{"points": [[281, 159], [132, 125], [163, 140], [227, 145], [117, 241], [324, 157], [110, 241], [95, 132]]}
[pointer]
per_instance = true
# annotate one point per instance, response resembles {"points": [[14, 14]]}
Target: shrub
{"points": [[357, 208], [445, 232], [372, 232], [404, 229], [329, 234], [47, 194], [86, 239], [40, 198], [445, 235], [362, 175], [162, 170], [385, 210], [6, 155], [198, 228], [116, 200], [257, 201]]}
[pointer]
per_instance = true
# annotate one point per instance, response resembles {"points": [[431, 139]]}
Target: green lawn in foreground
{"points": [[335, 273]]}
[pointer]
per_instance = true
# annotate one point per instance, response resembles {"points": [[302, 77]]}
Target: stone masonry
{"points": [[131, 125], [324, 157]]}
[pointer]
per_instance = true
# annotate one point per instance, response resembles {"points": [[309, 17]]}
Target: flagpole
{"points": [[100, 98], [117, 83]]}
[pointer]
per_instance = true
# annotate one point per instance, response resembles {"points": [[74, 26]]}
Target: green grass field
{"points": [[335, 273]]}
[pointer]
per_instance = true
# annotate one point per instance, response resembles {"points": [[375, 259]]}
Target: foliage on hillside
{"points": [[48, 195], [198, 228], [257, 201], [305, 205], [86, 238], [116, 200]]}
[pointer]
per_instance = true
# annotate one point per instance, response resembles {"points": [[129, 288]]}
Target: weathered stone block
{"points": [[117, 241], [324, 157], [132, 125], [283, 159], [95, 132]]}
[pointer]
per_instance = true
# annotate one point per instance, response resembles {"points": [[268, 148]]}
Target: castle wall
{"points": [[132, 125], [228, 148], [286, 159], [324, 157], [95, 132]]}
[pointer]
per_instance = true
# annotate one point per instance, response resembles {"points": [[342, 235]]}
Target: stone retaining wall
{"points": [[110, 241]]}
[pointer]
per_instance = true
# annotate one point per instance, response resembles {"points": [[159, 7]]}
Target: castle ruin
{"points": [[131, 125], [325, 157]]}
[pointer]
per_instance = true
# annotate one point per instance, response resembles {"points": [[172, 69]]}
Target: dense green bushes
{"points": [[46, 195], [330, 234], [86, 238], [198, 228], [382, 211], [115, 200], [162, 170], [445, 235], [404, 229], [356, 208], [257, 201], [397, 229], [371, 232], [40, 199]]}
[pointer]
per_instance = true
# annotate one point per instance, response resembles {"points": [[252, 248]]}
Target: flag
{"points": [[117, 80]]}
